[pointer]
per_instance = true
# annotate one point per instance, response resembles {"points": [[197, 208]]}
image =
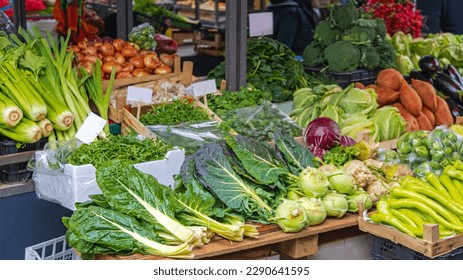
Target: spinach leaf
{"points": [[296, 156], [258, 158], [216, 173]]}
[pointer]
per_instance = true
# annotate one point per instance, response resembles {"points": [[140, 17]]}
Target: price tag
{"points": [[138, 94], [204, 87], [260, 24], [90, 129]]}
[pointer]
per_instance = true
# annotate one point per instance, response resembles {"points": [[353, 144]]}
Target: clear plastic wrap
{"points": [[260, 122], [430, 151], [65, 184], [143, 36]]}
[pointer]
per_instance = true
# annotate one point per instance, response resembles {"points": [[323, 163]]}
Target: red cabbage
{"points": [[323, 133], [317, 151], [347, 141]]}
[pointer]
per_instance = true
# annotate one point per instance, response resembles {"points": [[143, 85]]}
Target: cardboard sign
{"points": [[204, 87], [260, 24], [90, 129], [139, 94]]}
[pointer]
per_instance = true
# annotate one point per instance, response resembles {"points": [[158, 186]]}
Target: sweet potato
{"points": [[390, 78], [443, 114], [410, 99], [424, 122], [412, 123], [427, 93], [373, 86], [386, 96], [359, 85], [429, 115]]}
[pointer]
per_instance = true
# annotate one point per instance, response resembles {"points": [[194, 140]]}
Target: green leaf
{"points": [[296, 156], [214, 171], [257, 158]]}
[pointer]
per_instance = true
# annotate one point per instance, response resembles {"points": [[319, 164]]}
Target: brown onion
{"points": [[119, 44], [167, 59], [87, 65], [74, 48], [139, 73], [151, 61], [131, 44], [83, 44], [91, 58], [137, 62], [80, 56], [97, 45], [119, 58], [108, 59], [90, 50], [162, 70], [123, 75], [107, 49], [129, 52], [145, 52], [127, 67], [108, 67]]}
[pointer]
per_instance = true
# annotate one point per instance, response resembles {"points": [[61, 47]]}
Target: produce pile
{"points": [[230, 100], [417, 103], [41, 94], [347, 41], [271, 67], [354, 109]]}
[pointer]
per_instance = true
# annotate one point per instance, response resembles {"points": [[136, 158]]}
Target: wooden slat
{"points": [[16, 158], [298, 248], [269, 235]]}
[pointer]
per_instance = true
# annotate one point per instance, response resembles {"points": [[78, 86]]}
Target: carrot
{"points": [[443, 114], [410, 99], [359, 85], [424, 122], [390, 78], [408, 117], [429, 115], [427, 93], [386, 96]]}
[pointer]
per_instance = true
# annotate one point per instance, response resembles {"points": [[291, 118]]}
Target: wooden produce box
{"points": [[210, 47], [271, 238]]}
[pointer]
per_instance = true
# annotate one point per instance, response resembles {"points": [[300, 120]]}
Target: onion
{"points": [[107, 49], [91, 58], [119, 44], [83, 44], [74, 48], [131, 44], [123, 75], [167, 59], [87, 65], [151, 61], [145, 52], [127, 67], [162, 70], [108, 59], [108, 67], [148, 70], [90, 50], [139, 73], [137, 62], [107, 39], [129, 52], [119, 58], [80, 56], [97, 45]]}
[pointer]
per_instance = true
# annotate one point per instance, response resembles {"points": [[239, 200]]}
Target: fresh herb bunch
{"points": [[229, 100], [179, 111], [261, 122], [125, 147], [339, 155]]}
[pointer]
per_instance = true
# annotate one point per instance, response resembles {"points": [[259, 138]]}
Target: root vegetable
{"points": [[107, 49], [151, 61], [123, 75], [410, 99], [168, 59], [162, 70], [127, 67], [129, 51], [90, 50], [409, 118], [390, 78], [108, 59], [137, 62], [424, 122], [429, 115], [119, 58], [108, 67], [91, 58], [443, 114], [427, 93], [386, 96], [139, 72], [119, 44]]}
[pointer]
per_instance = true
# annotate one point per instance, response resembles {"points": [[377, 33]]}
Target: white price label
{"points": [[138, 94], [260, 24], [90, 129], [204, 87]]}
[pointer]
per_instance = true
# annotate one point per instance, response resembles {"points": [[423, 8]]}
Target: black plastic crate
{"points": [[17, 172], [162, 23], [365, 77], [385, 249]]}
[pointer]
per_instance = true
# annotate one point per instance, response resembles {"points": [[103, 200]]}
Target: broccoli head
{"points": [[313, 56], [325, 34], [370, 58], [344, 16], [380, 27], [358, 34], [342, 56], [386, 52]]}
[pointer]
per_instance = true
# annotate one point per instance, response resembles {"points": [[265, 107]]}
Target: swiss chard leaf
{"points": [[215, 171], [296, 156], [257, 158]]}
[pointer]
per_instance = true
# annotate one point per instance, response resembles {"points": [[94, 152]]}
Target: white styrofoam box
{"points": [[76, 183]]}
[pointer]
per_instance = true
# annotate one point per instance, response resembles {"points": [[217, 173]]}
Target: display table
{"points": [[271, 239]]}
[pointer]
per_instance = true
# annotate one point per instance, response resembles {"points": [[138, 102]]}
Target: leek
{"points": [[46, 127], [26, 131], [10, 113]]}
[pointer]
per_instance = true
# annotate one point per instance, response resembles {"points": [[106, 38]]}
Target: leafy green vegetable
{"points": [[296, 156], [229, 100], [96, 230], [123, 147], [214, 171], [179, 111], [359, 101], [339, 155], [389, 123]]}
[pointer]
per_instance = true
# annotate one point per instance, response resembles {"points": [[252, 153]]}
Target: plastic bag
{"points": [[144, 36], [430, 151], [260, 122], [190, 136]]}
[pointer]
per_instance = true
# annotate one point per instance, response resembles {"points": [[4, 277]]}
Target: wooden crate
{"points": [[210, 47], [430, 246], [271, 239]]}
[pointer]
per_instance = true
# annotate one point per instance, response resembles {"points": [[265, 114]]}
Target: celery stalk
{"points": [[26, 131], [10, 114], [46, 127]]}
